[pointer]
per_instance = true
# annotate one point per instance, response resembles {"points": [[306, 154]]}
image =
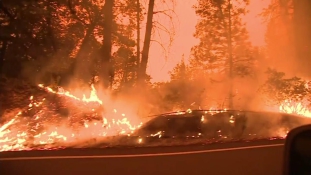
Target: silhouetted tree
{"points": [[212, 53]]}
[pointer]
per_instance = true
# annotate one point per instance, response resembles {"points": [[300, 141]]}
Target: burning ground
{"points": [[58, 118], [53, 119]]}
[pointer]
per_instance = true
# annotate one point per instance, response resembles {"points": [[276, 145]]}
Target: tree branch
{"points": [[74, 13], [6, 11]]}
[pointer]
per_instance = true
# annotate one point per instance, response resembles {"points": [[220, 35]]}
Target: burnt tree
{"points": [[145, 51], [138, 33], [107, 71]]}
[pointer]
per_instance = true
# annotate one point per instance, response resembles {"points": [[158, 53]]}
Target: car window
{"points": [[183, 126], [154, 126]]}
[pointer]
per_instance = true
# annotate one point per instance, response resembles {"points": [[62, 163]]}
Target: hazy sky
{"points": [[184, 40]]}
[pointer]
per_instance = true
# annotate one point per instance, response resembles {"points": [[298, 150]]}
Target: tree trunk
{"points": [[4, 35], [145, 52], [107, 72], [50, 29], [138, 34], [80, 66], [230, 60], [2, 53]]}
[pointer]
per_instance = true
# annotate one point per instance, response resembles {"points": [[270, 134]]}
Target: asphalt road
{"points": [[248, 158]]}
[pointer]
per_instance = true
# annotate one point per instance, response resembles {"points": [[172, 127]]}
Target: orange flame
{"points": [[21, 134], [25, 134], [292, 107], [93, 95]]}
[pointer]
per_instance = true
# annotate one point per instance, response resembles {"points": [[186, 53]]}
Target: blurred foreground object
{"points": [[298, 151]]}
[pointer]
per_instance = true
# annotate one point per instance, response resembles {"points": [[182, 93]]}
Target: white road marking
{"points": [[140, 155]]}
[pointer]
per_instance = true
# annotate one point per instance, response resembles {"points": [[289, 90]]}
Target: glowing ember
{"points": [[282, 133], [37, 126]]}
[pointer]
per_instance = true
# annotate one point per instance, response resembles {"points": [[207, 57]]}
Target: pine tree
{"points": [[211, 55], [180, 71], [224, 52]]}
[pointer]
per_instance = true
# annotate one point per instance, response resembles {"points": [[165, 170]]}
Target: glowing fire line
{"points": [[18, 135], [93, 96], [21, 134]]}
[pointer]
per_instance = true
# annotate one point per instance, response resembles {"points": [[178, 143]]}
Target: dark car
{"points": [[212, 126], [178, 141]]}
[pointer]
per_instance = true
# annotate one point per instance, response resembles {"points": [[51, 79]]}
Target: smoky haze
{"points": [[288, 38]]}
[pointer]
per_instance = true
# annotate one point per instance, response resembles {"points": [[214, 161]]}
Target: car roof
{"points": [[191, 113], [199, 113]]}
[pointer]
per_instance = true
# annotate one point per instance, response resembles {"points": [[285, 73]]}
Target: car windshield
{"points": [[72, 72], [172, 125]]}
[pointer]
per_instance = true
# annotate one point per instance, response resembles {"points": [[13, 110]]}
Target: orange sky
{"points": [[184, 40]]}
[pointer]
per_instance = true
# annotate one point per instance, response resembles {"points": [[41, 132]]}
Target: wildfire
{"points": [[45, 130], [291, 107], [93, 96], [39, 127]]}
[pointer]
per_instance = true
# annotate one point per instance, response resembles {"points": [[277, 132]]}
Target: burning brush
{"points": [[62, 119]]}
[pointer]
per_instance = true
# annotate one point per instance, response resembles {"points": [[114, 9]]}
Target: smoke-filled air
{"points": [[78, 72]]}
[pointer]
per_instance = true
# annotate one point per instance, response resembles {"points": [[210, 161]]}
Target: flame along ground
{"points": [[21, 134]]}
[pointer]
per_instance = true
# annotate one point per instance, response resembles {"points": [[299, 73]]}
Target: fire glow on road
{"points": [[142, 155]]}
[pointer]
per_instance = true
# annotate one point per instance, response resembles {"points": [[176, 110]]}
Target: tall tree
{"points": [[124, 58], [224, 48], [45, 35], [29, 39], [138, 33], [107, 72], [145, 52], [153, 27]]}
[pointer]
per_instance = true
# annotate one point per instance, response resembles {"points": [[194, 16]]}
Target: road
{"points": [[249, 158]]}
